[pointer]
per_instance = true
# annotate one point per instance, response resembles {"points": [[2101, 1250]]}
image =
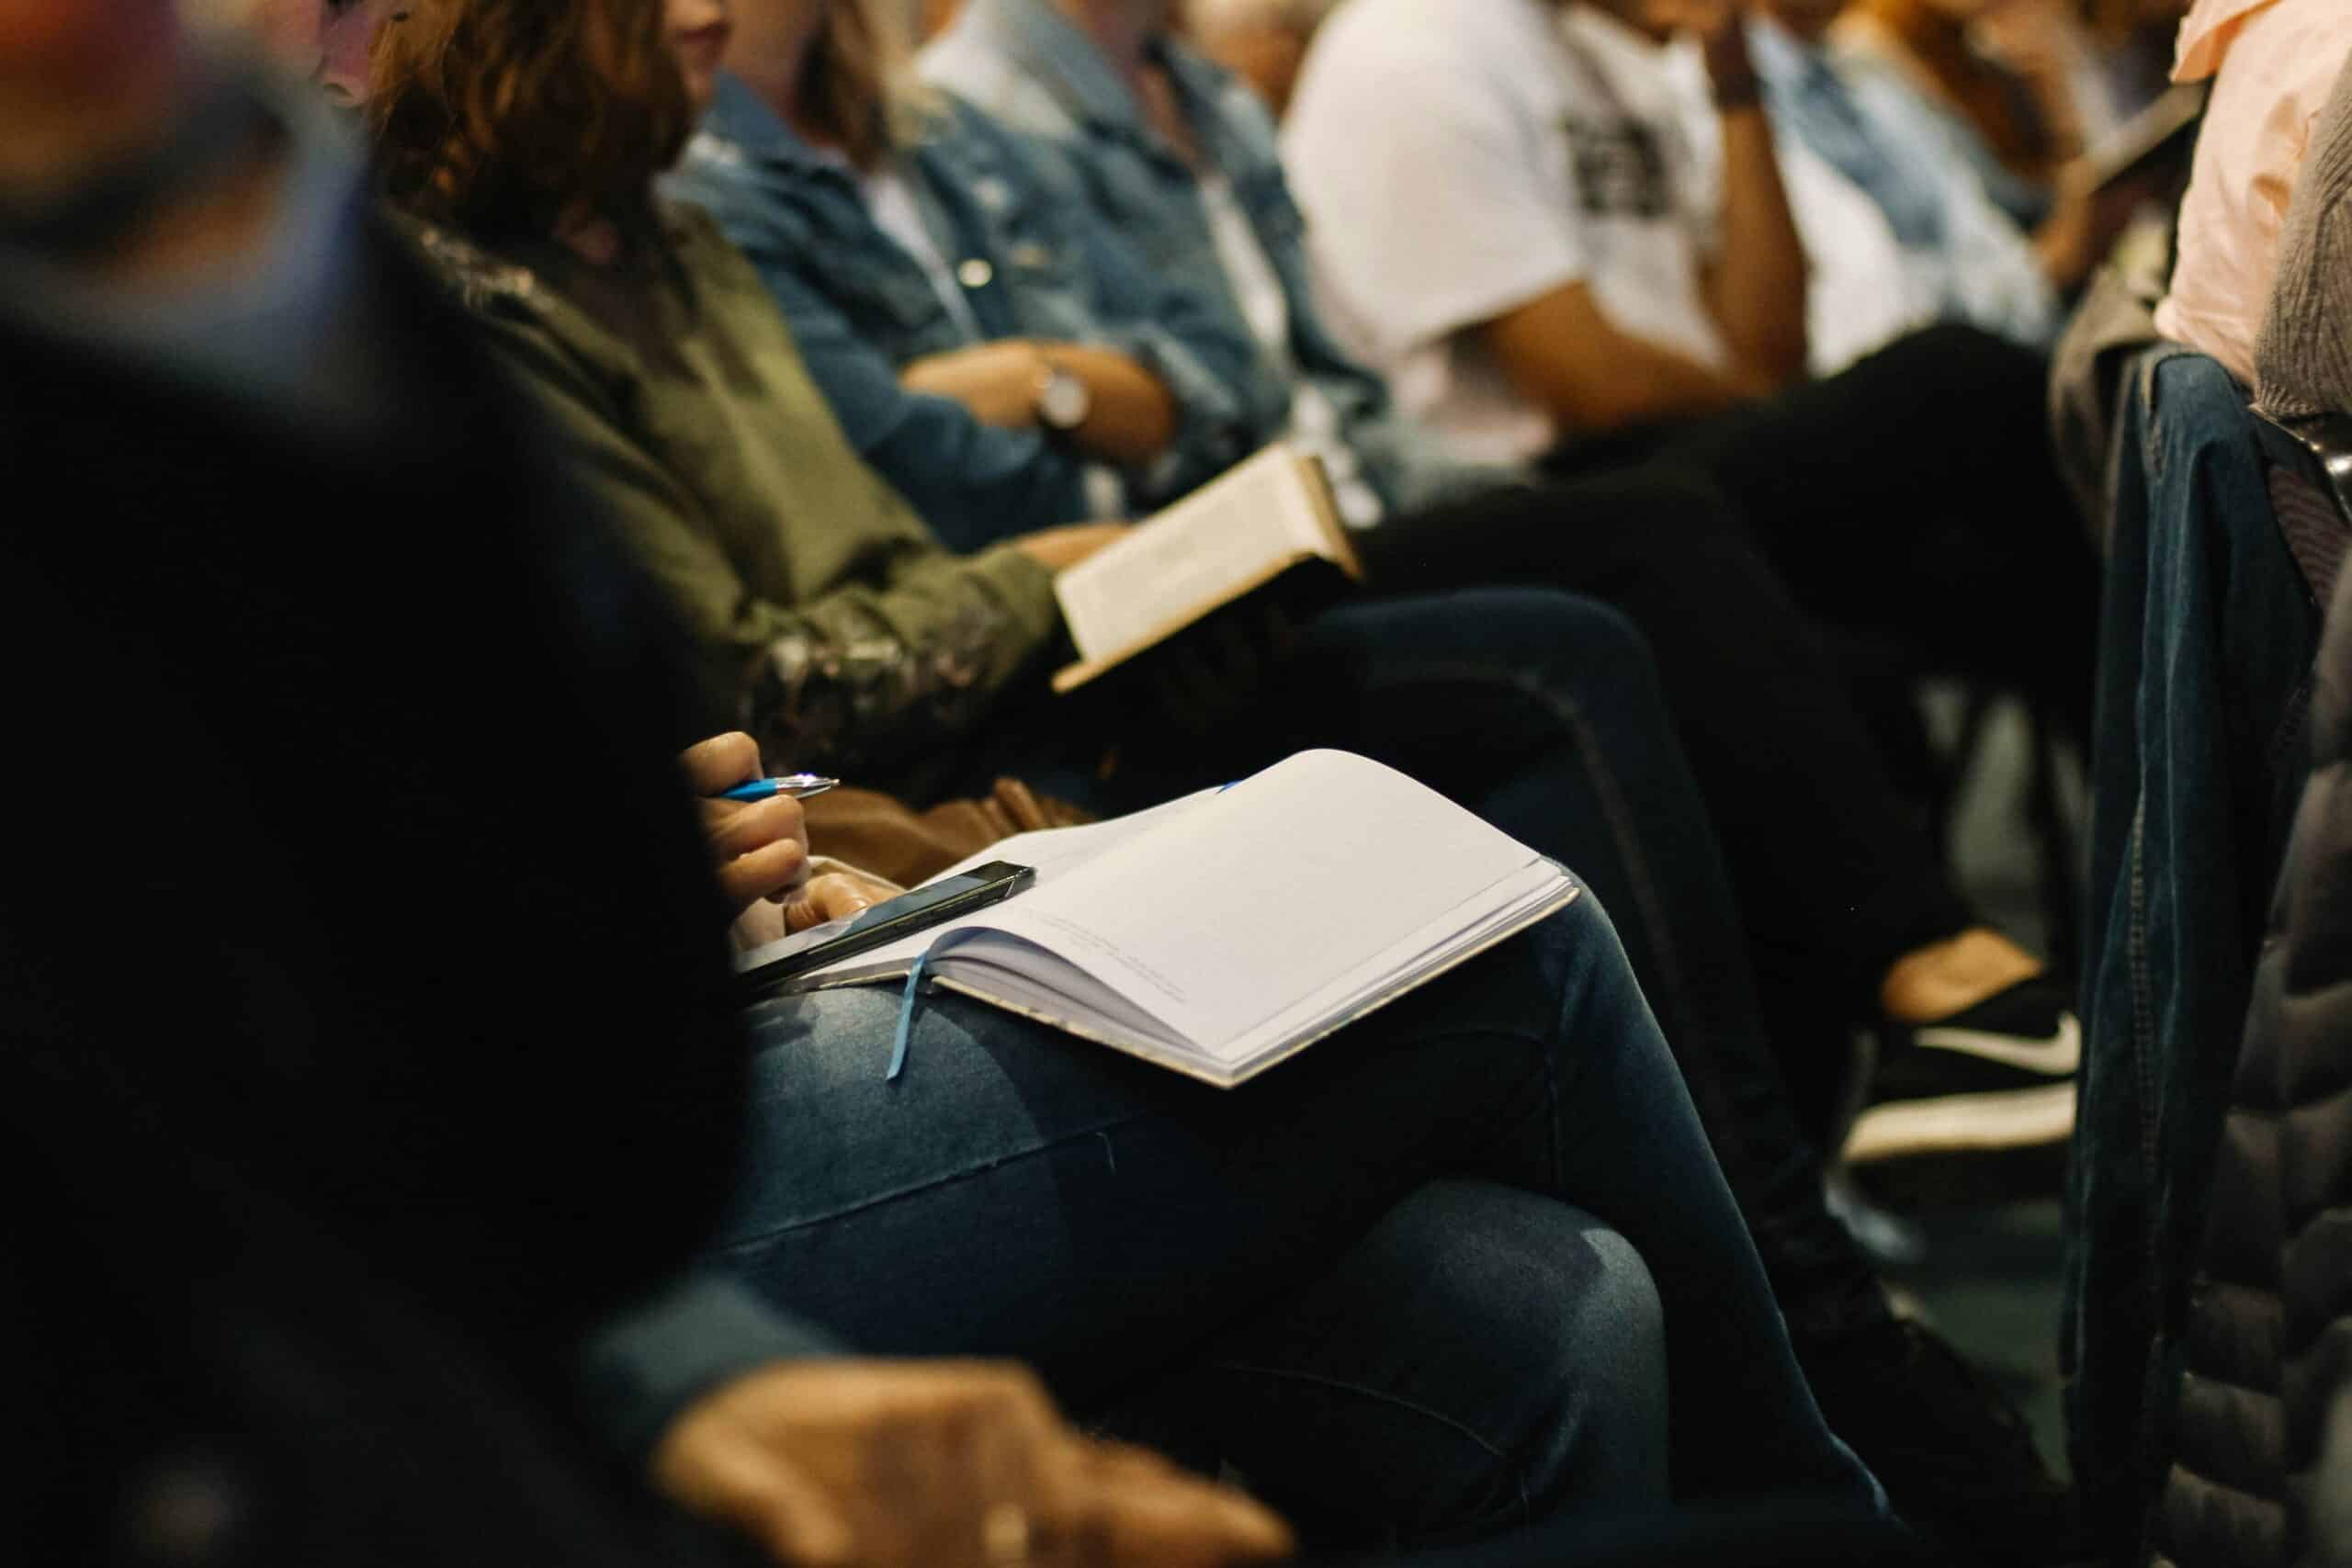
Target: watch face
{"points": [[1065, 402]]}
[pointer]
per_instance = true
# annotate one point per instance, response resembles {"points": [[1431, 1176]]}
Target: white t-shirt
{"points": [[1458, 158]]}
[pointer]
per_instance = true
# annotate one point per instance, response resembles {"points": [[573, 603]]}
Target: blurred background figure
{"points": [[2025, 83], [2272, 64], [1261, 41], [324, 42]]}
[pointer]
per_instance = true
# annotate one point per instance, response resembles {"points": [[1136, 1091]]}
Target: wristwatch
{"points": [[1063, 400]]}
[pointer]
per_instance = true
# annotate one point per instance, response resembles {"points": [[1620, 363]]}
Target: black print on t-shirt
{"points": [[1619, 168]]}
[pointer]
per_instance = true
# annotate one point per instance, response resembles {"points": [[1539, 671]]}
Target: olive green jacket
{"points": [[829, 619]]}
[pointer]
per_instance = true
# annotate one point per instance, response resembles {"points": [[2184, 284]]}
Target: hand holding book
{"points": [[1058, 550], [1261, 521]]}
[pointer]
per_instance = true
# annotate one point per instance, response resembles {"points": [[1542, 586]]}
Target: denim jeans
{"points": [[1398, 1280], [2205, 645], [1542, 711]]}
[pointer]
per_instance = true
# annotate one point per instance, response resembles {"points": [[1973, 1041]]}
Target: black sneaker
{"points": [[1954, 1455], [1998, 1076]]}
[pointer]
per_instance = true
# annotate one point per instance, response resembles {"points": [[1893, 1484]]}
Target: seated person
{"points": [[1051, 381], [1955, 255], [301, 1267], [791, 161], [1505, 200], [2272, 64], [827, 614], [2002, 77], [471, 1034]]}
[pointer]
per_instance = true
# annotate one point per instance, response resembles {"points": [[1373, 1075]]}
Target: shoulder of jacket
{"points": [[481, 280]]}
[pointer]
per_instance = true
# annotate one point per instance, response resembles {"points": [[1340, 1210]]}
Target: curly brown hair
{"points": [[502, 117]]}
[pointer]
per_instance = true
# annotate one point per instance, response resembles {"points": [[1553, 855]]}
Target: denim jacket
{"points": [[2206, 644], [1024, 63], [1031, 262]]}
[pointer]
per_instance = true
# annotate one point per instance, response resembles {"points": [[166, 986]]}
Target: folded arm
{"points": [[1130, 418]]}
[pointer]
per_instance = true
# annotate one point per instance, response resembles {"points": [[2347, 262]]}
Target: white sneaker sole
{"points": [[1958, 1123]]}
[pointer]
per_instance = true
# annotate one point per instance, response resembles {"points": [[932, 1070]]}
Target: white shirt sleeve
{"points": [[1431, 205]]}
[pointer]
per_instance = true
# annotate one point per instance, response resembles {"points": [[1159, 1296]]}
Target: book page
{"points": [[1051, 852], [1278, 888], [1194, 554]]}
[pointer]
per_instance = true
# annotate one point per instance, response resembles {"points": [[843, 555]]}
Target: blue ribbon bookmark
{"points": [[906, 1016]]}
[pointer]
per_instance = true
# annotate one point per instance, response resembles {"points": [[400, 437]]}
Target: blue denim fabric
{"points": [[861, 309], [2207, 640], [1024, 63], [1375, 1237], [1542, 711], [1880, 132]]}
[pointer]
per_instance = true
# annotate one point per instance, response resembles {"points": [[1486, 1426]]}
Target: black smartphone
{"points": [[886, 922]]}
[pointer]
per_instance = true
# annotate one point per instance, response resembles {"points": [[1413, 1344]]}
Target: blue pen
{"points": [[800, 786]]}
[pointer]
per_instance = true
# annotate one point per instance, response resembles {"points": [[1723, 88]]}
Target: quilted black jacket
{"points": [[2272, 1304]]}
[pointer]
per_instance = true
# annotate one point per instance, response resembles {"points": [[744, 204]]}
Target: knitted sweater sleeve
{"points": [[2303, 356]]}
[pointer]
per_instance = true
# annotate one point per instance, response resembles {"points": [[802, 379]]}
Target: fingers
{"points": [[733, 1477], [737, 830], [942, 1465], [834, 896], [760, 850], [720, 762], [1135, 1507], [957, 1471], [761, 922], [1058, 549]]}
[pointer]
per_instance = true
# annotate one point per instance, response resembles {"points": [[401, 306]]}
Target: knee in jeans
{"points": [[1533, 628], [1566, 1312]]}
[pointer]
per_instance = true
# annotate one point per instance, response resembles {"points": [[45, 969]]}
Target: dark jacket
{"points": [[352, 1072], [2271, 1305], [2206, 640]]}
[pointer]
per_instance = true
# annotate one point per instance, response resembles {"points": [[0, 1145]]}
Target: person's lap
{"points": [[1539, 710], [987, 1200], [1020, 1192]]}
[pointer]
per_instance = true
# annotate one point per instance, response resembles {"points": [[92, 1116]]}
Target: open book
{"points": [[1226, 930], [1234, 534]]}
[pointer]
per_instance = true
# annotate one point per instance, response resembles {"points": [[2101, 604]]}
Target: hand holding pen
{"points": [[758, 838], [800, 786]]}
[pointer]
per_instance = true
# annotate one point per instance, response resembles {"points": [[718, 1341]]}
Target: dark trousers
{"points": [[1543, 713], [1832, 874], [2200, 758], [1912, 498], [1359, 1277]]}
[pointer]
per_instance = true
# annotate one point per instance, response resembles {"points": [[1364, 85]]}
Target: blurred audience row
{"points": [[493, 429]]}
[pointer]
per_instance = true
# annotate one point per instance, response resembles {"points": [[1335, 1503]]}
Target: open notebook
{"points": [[1221, 932]]}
